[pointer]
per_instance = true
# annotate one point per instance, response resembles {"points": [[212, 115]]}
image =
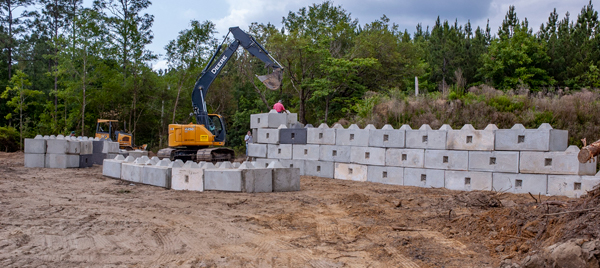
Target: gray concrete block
{"points": [[305, 152], [112, 168], [35, 160], [294, 135], [284, 179], [256, 180], [259, 121], [470, 139], [520, 183], [87, 147], [257, 150], [424, 177], [97, 146], [468, 180], [368, 156], [426, 138], [335, 153], [281, 151], [294, 163], [255, 135], [387, 137], [229, 180], [571, 185], [61, 161], [112, 155], [322, 169], [268, 135], [386, 175], [85, 161], [495, 161], [35, 146], [564, 163], [157, 175], [321, 135], [132, 171], [542, 139], [277, 119], [74, 147], [57, 146], [414, 158], [263, 162], [352, 172], [110, 147], [292, 118], [445, 159], [352, 136], [189, 177]]}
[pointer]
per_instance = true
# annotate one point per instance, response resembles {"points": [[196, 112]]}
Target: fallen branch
{"points": [[407, 229], [573, 211], [533, 197], [588, 152]]}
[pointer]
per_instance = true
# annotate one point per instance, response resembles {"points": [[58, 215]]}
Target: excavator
{"points": [[203, 141]]}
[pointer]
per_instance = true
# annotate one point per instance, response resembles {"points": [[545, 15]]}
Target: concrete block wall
{"points": [[516, 160], [67, 152]]}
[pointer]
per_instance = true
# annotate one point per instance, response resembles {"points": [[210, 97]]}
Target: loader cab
{"points": [[105, 129]]}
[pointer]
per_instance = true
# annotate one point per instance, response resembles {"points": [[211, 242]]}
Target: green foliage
{"points": [[503, 103], [9, 139]]}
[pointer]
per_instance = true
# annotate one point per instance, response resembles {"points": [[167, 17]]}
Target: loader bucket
{"points": [[273, 80]]}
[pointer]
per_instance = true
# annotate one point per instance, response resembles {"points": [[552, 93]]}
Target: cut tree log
{"points": [[588, 152]]}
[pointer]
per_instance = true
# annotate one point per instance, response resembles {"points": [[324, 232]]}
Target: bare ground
{"points": [[78, 218]]}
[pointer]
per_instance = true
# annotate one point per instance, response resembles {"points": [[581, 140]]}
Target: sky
{"points": [[172, 16]]}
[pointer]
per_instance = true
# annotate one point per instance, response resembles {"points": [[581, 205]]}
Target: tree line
{"points": [[64, 65]]}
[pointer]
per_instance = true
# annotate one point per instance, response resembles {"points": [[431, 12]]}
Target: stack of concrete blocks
{"points": [[516, 160], [35, 152], [62, 152], [104, 149]]}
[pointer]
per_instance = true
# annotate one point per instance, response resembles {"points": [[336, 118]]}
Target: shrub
{"points": [[9, 139]]}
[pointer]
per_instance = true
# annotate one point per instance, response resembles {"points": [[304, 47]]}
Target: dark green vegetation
{"points": [[63, 66]]}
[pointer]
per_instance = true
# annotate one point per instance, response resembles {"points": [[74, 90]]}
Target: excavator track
{"points": [[214, 155]]}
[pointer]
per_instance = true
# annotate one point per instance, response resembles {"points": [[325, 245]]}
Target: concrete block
{"points": [[229, 180], [268, 135], [520, 183], [495, 161], [136, 154], [387, 137], [414, 158], [189, 177], [256, 180], [281, 151], [259, 121], [564, 163], [445, 159], [305, 152], [254, 135], [74, 147], [277, 119], [468, 180], [294, 163], [470, 139], [257, 150], [57, 146], [35, 146], [159, 174], [424, 177], [87, 147], [112, 167], [61, 161], [352, 172], [335, 153], [293, 135], [386, 175], [571, 185], [352, 136], [368, 156], [321, 135], [35, 160], [133, 171], [110, 147], [322, 169], [112, 155], [85, 161], [97, 146], [292, 119], [426, 138], [542, 139], [264, 162]]}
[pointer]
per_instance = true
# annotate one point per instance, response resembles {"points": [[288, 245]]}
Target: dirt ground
{"points": [[78, 218]]}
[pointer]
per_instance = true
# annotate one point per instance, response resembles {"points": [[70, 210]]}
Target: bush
{"points": [[9, 139]]}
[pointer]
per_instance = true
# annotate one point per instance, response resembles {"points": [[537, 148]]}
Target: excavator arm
{"points": [[214, 67]]}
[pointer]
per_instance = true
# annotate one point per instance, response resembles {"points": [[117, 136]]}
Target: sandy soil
{"points": [[77, 218]]}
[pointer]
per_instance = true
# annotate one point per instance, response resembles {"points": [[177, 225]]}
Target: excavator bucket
{"points": [[273, 80]]}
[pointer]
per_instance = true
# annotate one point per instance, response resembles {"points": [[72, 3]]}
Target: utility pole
{"points": [[416, 86]]}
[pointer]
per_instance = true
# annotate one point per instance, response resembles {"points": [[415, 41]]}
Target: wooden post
{"points": [[588, 151]]}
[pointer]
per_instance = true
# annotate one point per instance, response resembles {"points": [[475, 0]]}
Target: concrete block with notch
{"points": [[427, 138], [323, 169], [222, 179], [470, 139], [294, 163], [305, 151], [189, 177], [335, 153], [268, 135], [292, 118], [57, 146], [259, 121], [387, 137], [256, 180], [468, 180], [542, 139], [424, 177], [112, 167], [86, 146], [368, 156], [61, 161], [352, 136], [446, 159], [520, 183], [257, 150], [74, 147], [277, 119], [351, 172], [296, 134], [386, 175], [321, 135], [133, 170], [494, 161], [554, 162], [571, 185], [414, 158], [110, 147], [279, 151], [35, 160], [160, 174], [263, 162], [35, 146], [85, 161], [285, 179]]}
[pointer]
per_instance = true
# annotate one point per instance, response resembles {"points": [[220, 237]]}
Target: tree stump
{"points": [[588, 151]]}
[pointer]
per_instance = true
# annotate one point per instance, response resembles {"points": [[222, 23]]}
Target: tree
{"points": [[18, 95], [12, 25]]}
